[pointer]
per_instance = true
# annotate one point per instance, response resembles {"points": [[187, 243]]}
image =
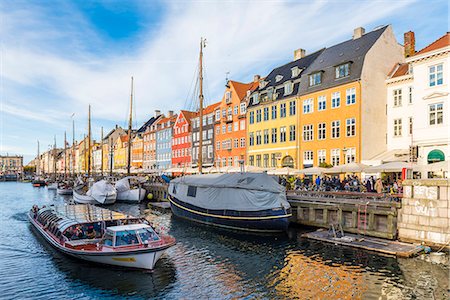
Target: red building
{"points": [[182, 139]]}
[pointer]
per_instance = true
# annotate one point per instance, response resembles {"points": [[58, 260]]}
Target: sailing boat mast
{"points": [[130, 122], [89, 143], [54, 158], [38, 166], [65, 156], [200, 97], [72, 152], [101, 159]]}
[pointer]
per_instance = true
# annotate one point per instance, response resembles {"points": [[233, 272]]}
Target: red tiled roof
{"points": [[242, 88], [166, 119], [124, 138], [209, 109], [188, 115], [442, 42], [399, 70]]}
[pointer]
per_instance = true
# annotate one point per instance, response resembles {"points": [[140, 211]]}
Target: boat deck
{"points": [[388, 247]]}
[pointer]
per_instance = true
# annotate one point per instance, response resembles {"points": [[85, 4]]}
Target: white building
{"points": [[418, 105]]}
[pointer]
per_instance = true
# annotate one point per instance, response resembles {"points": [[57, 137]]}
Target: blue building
{"points": [[164, 142]]}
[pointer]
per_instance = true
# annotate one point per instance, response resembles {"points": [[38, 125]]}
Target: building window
{"points": [[436, 113], [351, 127], [243, 108], [398, 127], [288, 88], [258, 160], [342, 70], [224, 128], [230, 128], [266, 113], [308, 156], [217, 130], [242, 125], [351, 96], [410, 95], [410, 125], [217, 114], [315, 79], [251, 159], [308, 133], [258, 137], [282, 110], [350, 155], [321, 131], [266, 160], [274, 112], [308, 106], [252, 117], [258, 115], [236, 126], [274, 135], [218, 145], [436, 75], [270, 93], [242, 142], [397, 97], [266, 136], [335, 157], [292, 133], [336, 100], [321, 156], [292, 108], [322, 102], [335, 129], [273, 159], [251, 139], [283, 134]]}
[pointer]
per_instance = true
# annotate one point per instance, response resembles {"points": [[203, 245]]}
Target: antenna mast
{"points": [[200, 144]]}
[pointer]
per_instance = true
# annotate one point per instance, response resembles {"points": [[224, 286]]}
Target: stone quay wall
{"points": [[425, 213]]}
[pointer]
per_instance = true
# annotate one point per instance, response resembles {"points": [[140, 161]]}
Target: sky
{"points": [[57, 57]]}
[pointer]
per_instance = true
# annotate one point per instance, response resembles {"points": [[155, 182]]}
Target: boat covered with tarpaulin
{"points": [[245, 201]]}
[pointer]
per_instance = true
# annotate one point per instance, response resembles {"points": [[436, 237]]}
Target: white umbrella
{"points": [[173, 170], [254, 169], [395, 166], [441, 166], [312, 171], [347, 168], [190, 170], [283, 171]]}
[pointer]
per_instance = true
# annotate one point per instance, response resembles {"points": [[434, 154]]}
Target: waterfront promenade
{"points": [[205, 263]]}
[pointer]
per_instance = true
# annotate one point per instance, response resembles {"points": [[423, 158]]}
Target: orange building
{"points": [[230, 123], [137, 151]]}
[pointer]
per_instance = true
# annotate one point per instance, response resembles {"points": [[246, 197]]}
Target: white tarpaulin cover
{"points": [[123, 185], [100, 190], [234, 191]]}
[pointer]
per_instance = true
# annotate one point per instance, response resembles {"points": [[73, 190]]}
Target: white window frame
{"points": [[336, 100], [350, 95], [321, 100]]}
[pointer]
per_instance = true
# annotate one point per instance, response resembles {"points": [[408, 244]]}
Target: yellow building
{"points": [[121, 152], [272, 115], [342, 113]]}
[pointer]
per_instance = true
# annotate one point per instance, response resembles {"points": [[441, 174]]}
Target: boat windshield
{"points": [[107, 239], [147, 235], [126, 237]]}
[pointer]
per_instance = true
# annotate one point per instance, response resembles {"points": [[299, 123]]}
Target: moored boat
{"points": [[64, 188], [100, 235], [243, 201], [52, 185], [101, 192], [38, 182]]}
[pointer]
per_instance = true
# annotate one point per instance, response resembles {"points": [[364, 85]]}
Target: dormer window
{"points": [[288, 88], [278, 78], [255, 98], [315, 79], [262, 84], [248, 93], [270, 93], [228, 97], [343, 70], [295, 72]]}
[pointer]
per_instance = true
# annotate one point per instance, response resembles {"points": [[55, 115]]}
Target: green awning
{"points": [[435, 155]]}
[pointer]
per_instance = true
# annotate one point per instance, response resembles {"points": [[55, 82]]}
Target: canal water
{"points": [[204, 264]]}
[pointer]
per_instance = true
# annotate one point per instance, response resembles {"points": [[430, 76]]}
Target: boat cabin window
{"points": [[147, 235], [107, 239], [126, 237], [192, 191], [174, 189]]}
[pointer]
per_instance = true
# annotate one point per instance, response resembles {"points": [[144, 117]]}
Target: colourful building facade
{"points": [[182, 140]]}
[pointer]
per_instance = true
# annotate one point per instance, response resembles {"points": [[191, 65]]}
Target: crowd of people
{"points": [[350, 183]]}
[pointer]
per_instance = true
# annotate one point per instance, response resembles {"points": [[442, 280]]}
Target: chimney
{"points": [[409, 43], [170, 113], [299, 53], [358, 32], [117, 126], [157, 112], [256, 78]]}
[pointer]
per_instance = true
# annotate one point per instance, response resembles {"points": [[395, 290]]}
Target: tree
{"points": [[325, 165]]}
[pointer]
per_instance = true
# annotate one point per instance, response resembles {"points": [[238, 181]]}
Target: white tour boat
{"points": [[100, 235]]}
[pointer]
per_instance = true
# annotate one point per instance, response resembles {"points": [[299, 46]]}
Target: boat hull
{"points": [[132, 196], [83, 199], [259, 221], [133, 259], [52, 186], [64, 191]]}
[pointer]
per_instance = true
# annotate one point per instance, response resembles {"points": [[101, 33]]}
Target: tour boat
{"points": [[243, 201], [38, 182], [126, 192], [101, 192], [100, 235]]}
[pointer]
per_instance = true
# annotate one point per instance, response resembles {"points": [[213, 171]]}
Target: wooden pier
{"points": [[361, 213]]}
